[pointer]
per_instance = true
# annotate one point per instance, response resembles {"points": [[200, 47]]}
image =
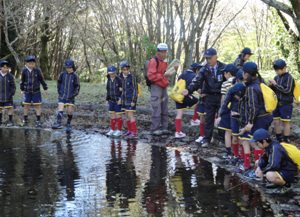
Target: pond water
{"points": [[59, 174]]}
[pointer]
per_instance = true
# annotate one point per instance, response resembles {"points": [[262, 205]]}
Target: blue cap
{"points": [[3, 62], [196, 66], [280, 63], [260, 134], [69, 64], [239, 74], [111, 69], [238, 87], [124, 64], [249, 67], [210, 52], [230, 68], [246, 50], [30, 58]]}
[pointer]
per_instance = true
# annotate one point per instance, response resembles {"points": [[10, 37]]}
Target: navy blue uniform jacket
{"points": [[130, 90], [230, 98], [276, 157], [212, 84], [284, 89], [30, 81], [113, 89], [7, 87], [68, 86]]}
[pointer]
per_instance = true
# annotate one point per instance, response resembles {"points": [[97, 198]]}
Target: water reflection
{"points": [[91, 175]]}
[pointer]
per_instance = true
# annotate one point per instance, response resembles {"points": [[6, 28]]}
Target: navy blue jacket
{"points": [[113, 89], [30, 81], [188, 76], [284, 89], [243, 113], [212, 84], [255, 101], [239, 62], [230, 97], [276, 157], [130, 90], [68, 86], [7, 87]]}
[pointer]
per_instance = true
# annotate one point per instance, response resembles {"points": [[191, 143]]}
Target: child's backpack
{"points": [[139, 90], [176, 91], [145, 70], [293, 152], [296, 92], [270, 98]]}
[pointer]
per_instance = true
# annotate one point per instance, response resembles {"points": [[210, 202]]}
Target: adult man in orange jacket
{"points": [[159, 95]]}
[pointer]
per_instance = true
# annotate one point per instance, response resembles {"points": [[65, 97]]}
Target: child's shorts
{"points": [[128, 108], [283, 112], [188, 101], [225, 123], [6, 104], [65, 102], [201, 109], [115, 108], [35, 98], [235, 126], [261, 122], [285, 176]]}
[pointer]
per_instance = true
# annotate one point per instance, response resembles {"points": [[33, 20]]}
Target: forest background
{"points": [[98, 33]]}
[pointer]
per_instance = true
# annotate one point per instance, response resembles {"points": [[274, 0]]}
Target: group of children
{"points": [[68, 87]]}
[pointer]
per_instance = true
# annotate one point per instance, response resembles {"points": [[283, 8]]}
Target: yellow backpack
{"points": [[293, 152], [296, 92], [139, 90], [270, 98], [176, 91]]}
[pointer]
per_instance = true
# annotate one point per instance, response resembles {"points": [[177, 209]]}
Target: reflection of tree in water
{"points": [[155, 193], [120, 173], [32, 163], [7, 170], [67, 168]]}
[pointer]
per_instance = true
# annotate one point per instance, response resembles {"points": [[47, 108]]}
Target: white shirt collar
{"points": [[3, 74], [126, 76], [28, 69], [230, 79]]}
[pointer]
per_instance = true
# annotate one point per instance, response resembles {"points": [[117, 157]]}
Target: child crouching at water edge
{"points": [[129, 98], [113, 100]]}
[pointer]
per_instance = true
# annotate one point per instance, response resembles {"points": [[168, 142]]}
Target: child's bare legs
{"points": [[178, 121], [70, 109], [235, 139], [26, 109], [202, 119], [61, 107], [286, 130], [179, 114], [278, 129], [38, 110], [9, 110], [228, 139]]}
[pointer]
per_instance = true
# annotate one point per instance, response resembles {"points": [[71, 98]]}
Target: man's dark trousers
{"points": [[212, 106]]}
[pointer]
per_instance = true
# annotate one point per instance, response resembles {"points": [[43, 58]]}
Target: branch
{"points": [[280, 6]]}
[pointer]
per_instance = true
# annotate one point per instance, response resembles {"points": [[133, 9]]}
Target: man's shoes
{"points": [[195, 122], [282, 190], [9, 124], [157, 133], [57, 126], [165, 132], [38, 124], [221, 144], [24, 123], [68, 128], [205, 145], [180, 135], [110, 132], [199, 139]]}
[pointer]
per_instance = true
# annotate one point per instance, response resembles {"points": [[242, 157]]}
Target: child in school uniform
{"points": [[232, 98], [188, 101], [224, 118], [8, 89], [68, 87], [31, 79], [202, 112], [129, 99], [113, 100], [283, 85], [254, 116]]}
